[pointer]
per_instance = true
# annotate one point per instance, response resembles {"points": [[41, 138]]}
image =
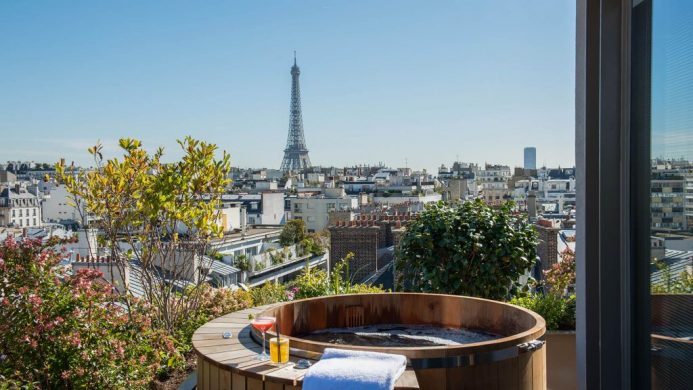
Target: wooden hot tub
{"points": [[516, 360]]}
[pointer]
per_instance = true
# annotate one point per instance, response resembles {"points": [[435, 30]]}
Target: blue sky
{"points": [[672, 79], [381, 80]]}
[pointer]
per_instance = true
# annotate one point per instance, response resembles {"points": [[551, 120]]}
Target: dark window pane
{"points": [[672, 194]]}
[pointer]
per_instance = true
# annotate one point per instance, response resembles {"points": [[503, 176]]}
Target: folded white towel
{"points": [[341, 369]]}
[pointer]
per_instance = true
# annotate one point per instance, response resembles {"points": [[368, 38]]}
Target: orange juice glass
{"points": [[279, 350]]}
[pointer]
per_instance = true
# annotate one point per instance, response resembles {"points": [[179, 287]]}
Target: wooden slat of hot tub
{"points": [[231, 364]]}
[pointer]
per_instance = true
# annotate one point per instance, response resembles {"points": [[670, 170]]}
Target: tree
{"points": [[293, 232], [467, 249], [165, 213]]}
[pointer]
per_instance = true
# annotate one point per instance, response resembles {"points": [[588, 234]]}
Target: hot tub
{"points": [[513, 360]]}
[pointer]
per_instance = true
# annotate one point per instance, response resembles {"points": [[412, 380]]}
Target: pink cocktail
{"points": [[263, 324]]}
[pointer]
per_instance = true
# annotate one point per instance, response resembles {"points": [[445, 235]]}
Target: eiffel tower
{"points": [[296, 153]]}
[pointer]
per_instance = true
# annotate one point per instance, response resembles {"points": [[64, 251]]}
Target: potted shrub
{"points": [[554, 300]]}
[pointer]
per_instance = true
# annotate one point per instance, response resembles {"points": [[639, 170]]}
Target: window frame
{"points": [[612, 159]]}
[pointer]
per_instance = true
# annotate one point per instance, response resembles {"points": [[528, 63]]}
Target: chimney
{"points": [[532, 206], [244, 218]]}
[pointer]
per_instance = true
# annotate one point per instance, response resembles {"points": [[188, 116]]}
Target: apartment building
{"points": [[315, 210], [668, 200], [19, 207], [493, 183]]}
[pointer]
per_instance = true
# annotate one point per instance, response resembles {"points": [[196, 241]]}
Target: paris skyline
{"points": [[469, 82]]}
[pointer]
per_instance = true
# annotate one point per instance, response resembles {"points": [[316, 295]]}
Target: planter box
{"points": [[561, 364]]}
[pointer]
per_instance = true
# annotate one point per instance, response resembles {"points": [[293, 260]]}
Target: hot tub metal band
{"points": [[449, 361], [478, 358]]}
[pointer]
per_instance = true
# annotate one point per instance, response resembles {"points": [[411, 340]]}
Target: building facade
{"points": [[19, 207], [493, 183], [315, 210]]}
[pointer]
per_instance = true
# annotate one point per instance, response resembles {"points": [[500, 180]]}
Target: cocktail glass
{"points": [[263, 324]]}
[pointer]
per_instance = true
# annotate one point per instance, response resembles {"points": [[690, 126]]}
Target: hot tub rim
{"points": [[533, 333]]}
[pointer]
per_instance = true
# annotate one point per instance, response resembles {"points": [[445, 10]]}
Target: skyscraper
{"points": [[296, 153], [530, 158]]}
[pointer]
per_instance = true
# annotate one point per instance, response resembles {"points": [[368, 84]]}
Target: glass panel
{"points": [[671, 204]]}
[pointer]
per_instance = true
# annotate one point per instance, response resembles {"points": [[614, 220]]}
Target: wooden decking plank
{"points": [[200, 344], [221, 348], [230, 355]]}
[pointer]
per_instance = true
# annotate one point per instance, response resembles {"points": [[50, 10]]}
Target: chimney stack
{"points": [[532, 205]]}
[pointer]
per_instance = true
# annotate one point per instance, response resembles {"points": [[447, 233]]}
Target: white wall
{"points": [[315, 211], [272, 208], [56, 206]]}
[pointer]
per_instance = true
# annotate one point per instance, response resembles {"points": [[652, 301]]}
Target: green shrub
{"points": [[268, 293], [313, 244], [310, 283], [671, 283], [314, 282], [293, 232], [467, 249], [242, 262], [558, 312], [277, 257]]}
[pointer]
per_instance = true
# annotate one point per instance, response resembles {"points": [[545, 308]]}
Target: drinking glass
{"points": [[263, 324]]}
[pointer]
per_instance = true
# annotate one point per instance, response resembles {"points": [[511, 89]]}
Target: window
{"points": [[671, 152], [634, 102]]}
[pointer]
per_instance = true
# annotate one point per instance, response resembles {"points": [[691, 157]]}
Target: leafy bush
{"points": [[315, 282], [561, 276], [468, 249], [310, 283], [277, 257], [71, 331], [259, 267], [216, 256], [293, 232], [242, 262], [313, 244], [672, 284], [558, 312], [269, 293]]}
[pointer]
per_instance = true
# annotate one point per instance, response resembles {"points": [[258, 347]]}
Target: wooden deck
{"points": [[230, 363]]}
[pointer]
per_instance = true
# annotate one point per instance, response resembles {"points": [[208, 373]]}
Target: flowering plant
{"points": [[63, 330]]}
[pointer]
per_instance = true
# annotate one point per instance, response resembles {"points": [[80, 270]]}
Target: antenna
{"points": [[294, 57]]}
